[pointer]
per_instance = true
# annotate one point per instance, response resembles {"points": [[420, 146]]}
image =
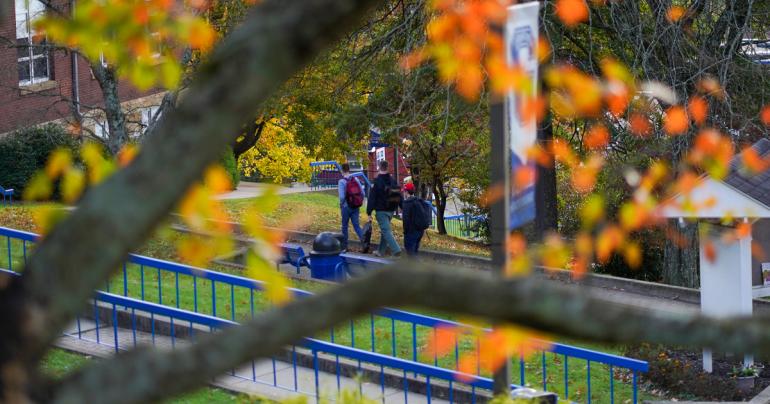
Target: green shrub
{"points": [[231, 166], [25, 151]]}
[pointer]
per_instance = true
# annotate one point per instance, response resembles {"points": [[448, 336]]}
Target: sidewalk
{"points": [[248, 189], [272, 379]]}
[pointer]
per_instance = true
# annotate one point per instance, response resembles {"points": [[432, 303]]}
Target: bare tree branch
{"points": [[533, 302]]}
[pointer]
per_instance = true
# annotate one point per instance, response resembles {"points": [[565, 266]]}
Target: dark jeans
{"points": [[351, 215], [412, 241]]}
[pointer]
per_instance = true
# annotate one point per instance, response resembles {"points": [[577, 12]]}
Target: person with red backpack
{"points": [[352, 195]]}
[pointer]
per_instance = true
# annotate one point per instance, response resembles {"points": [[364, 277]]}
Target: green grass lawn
{"points": [[370, 333], [59, 363], [319, 211]]}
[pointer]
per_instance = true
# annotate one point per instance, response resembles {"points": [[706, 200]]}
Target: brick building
{"points": [[39, 84], [380, 151]]}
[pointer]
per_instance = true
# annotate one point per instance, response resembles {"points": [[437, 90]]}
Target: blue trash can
{"points": [[325, 258]]}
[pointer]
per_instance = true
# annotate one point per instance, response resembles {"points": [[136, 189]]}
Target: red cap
{"points": [[409, 187]]}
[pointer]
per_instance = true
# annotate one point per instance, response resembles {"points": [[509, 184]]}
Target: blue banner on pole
{"points": [[521, 37]]}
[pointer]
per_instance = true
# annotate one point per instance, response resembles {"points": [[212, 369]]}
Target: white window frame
{"points": [[24, 30], [101, 129], [148, 115]]}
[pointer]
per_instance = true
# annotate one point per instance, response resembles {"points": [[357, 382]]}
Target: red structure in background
{"points": [[387, 153]]}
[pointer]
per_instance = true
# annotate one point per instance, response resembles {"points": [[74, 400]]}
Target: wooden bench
{"points": [[294, 255]]}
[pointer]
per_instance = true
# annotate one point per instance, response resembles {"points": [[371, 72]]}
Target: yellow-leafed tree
{"points": [[276, 156]]}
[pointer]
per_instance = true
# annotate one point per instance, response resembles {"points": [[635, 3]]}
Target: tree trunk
{"points": [[116, 119], [251, 134], [440, 198], [546, 216], [680, 263]]}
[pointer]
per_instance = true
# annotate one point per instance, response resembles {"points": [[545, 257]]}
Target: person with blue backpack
{"points": [[351, 194], [417, 218]]}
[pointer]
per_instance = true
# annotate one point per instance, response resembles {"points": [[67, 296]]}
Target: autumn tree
{"points": [[686, 46]]}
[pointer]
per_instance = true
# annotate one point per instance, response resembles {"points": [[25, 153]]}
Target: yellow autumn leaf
{"points": [[72, 185], [58, 162], [38, 188], [276, 285], [217, 180]]}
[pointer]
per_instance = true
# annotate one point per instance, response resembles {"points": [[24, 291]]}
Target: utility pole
{"points": [[500, 163]]}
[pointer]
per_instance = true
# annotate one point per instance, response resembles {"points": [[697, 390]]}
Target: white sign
{"points": [[521, 38]]}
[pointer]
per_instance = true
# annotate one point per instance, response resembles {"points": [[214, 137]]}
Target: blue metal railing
{"points": [[326, 174], [408, 371], [215, 293], [466, 226]]}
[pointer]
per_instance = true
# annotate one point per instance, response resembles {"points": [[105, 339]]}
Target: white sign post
{"points": [[725, 280]]}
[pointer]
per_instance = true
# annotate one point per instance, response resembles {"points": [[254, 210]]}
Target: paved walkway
{"points": [[248, 189], [275, 380]]}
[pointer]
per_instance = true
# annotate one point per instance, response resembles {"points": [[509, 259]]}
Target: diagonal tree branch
{"points": [[277, 39], [566, 310]]}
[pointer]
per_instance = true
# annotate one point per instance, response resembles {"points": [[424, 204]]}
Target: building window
{"points": [[102, 129], [34, 63], [149, 116]]}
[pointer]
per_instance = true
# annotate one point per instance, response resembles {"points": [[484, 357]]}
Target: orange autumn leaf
{"points": [[141, 14], [571, 12], [675, 13], [676, 121], [633, 255], [764, 115], [523, 177], [743, 230], [442, 27], [710, 86], [617, 100], [470, 79], [201, 35], [442, 342], [217, 179], [412, 60], [583, 177], [757, 251], [698, 107], [710, 251], [127, 154], [540, 156], [607, 242], [492, 195], [639, 124], [532, 109], [752, 160], [597, 137]]}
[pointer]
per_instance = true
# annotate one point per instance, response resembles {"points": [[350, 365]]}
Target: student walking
{"points": [[417, 218], [384, 198], [351, 194]]}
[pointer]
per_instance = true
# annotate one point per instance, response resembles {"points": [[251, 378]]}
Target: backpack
{"points": [[393, 195], [354, 196], [423, 217]]}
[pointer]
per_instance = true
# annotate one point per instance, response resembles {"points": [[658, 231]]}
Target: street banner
{"points": [[521, 38]]}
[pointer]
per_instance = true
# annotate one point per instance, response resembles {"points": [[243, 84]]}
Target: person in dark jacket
{"points": [[412, 233], [384, 203]]}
